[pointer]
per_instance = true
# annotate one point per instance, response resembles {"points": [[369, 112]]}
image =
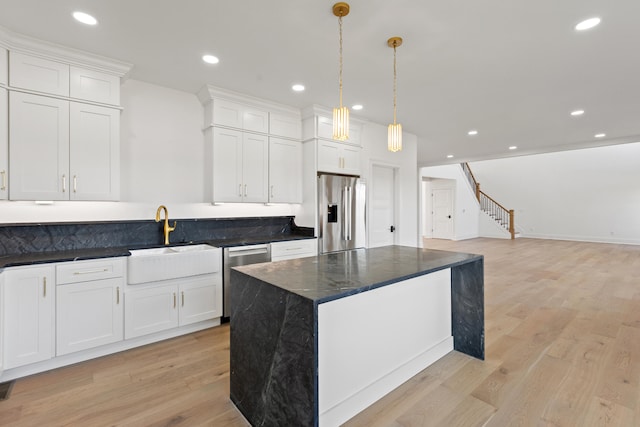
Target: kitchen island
{"points": [[316, 340]]}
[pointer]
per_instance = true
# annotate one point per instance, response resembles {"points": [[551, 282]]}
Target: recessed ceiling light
{"points": [[513, 147], [472, 132], [210, 59], [600, 135], [587, 23], [577, 112], [298, 87], [449, 156], [85, 18], [356, 107]]}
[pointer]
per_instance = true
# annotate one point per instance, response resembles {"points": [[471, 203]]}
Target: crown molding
{"points": [[209, 92], [55, 52]]}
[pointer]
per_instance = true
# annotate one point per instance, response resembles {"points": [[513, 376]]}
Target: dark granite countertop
{"points": [[336, 275], [13, 260]]}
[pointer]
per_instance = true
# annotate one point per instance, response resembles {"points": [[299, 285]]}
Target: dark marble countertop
{"points": [[14, 260], [337, 275]]}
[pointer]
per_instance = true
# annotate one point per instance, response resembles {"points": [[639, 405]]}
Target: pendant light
{"points": [[340, 114], [394, 142]]}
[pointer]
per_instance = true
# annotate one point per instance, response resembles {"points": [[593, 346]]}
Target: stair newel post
{"points": [[512, 228], [478, 191]]}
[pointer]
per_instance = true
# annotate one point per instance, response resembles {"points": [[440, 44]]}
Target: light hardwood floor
{"points": [[562, 345]]}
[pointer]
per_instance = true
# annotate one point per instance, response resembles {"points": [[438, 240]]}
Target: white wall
{"points": [[591, 194], [162, 162], [466, 208], [375, 152]]}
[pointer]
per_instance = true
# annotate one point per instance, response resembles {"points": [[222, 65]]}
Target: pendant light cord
{"points": [[340, 74], [395, 90]]}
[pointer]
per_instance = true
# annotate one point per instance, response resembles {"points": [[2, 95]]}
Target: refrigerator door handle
{"points": [[347, 207]]}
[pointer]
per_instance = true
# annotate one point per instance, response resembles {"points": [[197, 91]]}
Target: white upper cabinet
{"points": [[4, 67], [73, 153], [285, 171], [227, 165], [94, 86], [285, 125], [38, 74], [39, 154], [4, 144], [339, 158], [325, 130], [235, 115], [255, 168], [94, 152]]}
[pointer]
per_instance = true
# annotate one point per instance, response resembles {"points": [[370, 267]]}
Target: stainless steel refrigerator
{"points": [[341, 201]]}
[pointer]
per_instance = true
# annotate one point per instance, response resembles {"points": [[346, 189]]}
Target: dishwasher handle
{"points": [[253, 250]]}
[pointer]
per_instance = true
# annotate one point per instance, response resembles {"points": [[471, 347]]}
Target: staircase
{"points": [[500, 214]]}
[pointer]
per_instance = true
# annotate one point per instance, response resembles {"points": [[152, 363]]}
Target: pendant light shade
{"points": [[341, 113], [394, 142]]}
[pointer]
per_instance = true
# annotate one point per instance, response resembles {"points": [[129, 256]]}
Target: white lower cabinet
{"points": [[158, 307], [28, 315], [89, 314]]}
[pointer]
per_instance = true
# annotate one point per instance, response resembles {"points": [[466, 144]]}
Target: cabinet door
{"points": [[150, 310], [94, 86], [200, 299], [29, 319], [227, 113], [4, 67], [329, 157], [288, 125], [285, 171], [4, 144], [255, 120], [94, 146], [38, 74], [227, 165], [255, 168], [89, 314], [38, 147], [351, 160]]}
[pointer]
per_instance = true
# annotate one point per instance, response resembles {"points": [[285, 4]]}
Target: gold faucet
{"points": [[167, 229]]}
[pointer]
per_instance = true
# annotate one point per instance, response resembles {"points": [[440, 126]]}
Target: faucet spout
{"points": [[166, 229]]}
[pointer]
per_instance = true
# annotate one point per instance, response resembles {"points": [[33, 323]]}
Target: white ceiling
{"points": [[511, 69]]}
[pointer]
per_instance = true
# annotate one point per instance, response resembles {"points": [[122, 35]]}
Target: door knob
{"points": [[449, 216], [392, 229]]}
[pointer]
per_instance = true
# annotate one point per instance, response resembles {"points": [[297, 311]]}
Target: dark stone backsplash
{"points": [[52, 237]]}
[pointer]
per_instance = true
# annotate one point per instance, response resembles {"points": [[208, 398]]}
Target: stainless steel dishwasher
{"points": [[240, 255]]}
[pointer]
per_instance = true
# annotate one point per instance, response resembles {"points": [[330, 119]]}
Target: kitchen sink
{"points": [[156, 264]]}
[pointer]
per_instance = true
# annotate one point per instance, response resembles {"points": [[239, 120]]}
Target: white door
{"points": [[442, 205], [255, 168], [227, 165], [94, 152], [382, 224], [4, 143], [150, 310], [285, 171], [101, 301], [28, 315], [38, 147]]}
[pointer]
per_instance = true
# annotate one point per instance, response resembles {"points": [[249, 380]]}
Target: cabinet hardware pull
{"points": [[103, 270], [292, 249], [64, 183], [272, 191], [118, 295], [174, 300], [245, 190], [44, 287], [4, 180], [240, 190], [183, 298], [75, 183]]}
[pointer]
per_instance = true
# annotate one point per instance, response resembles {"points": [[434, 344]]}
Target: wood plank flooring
{"points": [[562, 345]]}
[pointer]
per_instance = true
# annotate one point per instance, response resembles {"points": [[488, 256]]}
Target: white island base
{"points": [[372, 342]]}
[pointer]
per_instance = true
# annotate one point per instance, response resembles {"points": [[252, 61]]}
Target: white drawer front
{"points": [[84, 271], [293, 249]]}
